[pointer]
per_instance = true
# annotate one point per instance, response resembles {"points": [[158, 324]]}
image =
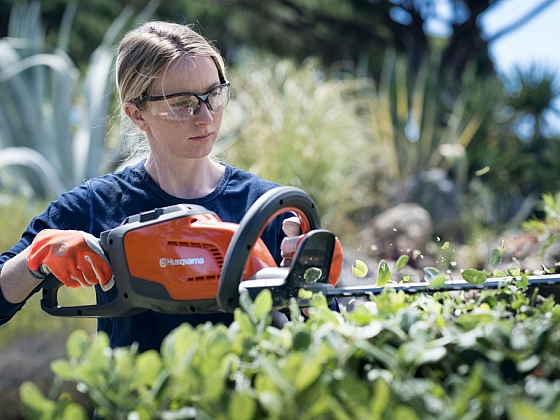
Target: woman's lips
{"points": [[202, 137]]}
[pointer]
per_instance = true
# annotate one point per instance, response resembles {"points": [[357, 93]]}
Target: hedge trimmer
{"points": [[183, 259]]}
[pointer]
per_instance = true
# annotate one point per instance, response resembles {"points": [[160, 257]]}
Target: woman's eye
{"points": [[183, 104]]}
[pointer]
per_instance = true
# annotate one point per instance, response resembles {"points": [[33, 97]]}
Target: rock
{"points": [[397, 231], [435, 192]]}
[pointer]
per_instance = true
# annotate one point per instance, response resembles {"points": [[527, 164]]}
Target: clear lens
{"points": [[183, 107], [218, 99]]}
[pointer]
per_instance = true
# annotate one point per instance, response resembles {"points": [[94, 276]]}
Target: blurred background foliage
{"points": [[374, 110], [351, 100]]}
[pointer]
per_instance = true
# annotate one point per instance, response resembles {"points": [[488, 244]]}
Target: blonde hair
{"points": [[144, 55]]}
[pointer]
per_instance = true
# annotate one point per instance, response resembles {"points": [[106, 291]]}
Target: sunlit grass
{"points": [[32, 320]]}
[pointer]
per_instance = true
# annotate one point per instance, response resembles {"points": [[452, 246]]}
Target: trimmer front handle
{"points": [[269, 205]]}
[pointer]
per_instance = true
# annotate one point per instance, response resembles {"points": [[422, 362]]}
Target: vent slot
{"points": [[213, 250]]}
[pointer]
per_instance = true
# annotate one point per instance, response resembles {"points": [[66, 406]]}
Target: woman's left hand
{"points": [[292, 228]]}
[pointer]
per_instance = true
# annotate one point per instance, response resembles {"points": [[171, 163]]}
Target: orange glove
{"points": [[74, 257], [292, 228]]}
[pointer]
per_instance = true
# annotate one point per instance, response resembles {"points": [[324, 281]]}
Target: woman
{"points": [[172, 86]]}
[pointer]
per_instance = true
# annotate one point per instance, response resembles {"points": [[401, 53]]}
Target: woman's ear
{"points": [[132, 111]]}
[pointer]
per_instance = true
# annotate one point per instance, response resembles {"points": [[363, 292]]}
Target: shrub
{"points": [[494, 355]]}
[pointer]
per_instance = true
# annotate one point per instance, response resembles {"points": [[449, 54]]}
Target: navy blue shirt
{"points": [[103, 203]]}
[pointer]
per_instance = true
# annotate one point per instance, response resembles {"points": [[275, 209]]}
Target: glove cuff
{"points": [[38, 274]]}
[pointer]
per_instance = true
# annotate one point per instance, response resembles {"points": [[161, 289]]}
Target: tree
{"points": [[357, 29]]}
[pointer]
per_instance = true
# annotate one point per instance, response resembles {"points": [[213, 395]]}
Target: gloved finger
{"points": [[291, 226], [96, 279], [68, 279], [109, 285], [97, 271], [103, 275], [99, 262], [79, 281]]}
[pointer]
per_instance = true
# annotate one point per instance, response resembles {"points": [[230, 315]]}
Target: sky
{"points": [[535, 43]]}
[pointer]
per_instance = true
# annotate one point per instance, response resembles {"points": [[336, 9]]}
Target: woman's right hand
{"points": [[74, 257]]}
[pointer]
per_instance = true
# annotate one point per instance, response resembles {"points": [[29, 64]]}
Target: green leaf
{"points": [[495, 257], [513, 270], [360, 269], [63, 369], [430, 272], [34, 404], [301, 340], [242, 407], [74, 412], [318, 300], [404, 412], [383, 273], [244, 321], [305, 294], [273, 376], [528, 364], [77, 344], [312, 275], [518, 409], [272, 403], [482, 171], [523, 282], [381, 396], [401, 262], [214, 386], [432, 355], [159, 386], [263, 304], [148, 367], [499, 273], [293, 306], [99, 353], [474, 276], [246, 303], [437, 282], [311, 370]]}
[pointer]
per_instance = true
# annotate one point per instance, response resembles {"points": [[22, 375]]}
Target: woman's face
{"points": [[191, 138]]}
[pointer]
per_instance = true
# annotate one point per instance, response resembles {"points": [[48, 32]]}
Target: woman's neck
{"points": [[186, 178]]}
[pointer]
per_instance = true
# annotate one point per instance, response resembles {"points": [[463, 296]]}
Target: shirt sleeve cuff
{"points": [[8, 309]]}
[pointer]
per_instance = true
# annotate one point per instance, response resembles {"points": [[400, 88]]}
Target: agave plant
{"points": [[424, 129], [420, 124], [53, 126]]}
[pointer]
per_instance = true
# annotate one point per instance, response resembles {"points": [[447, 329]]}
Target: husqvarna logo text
{"points": [[166, 262]]}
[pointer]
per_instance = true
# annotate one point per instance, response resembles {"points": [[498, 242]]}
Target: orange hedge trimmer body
{"points": [[172, 259]]}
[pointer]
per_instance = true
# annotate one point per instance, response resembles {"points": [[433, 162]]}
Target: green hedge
{"points": [[492, 355]]}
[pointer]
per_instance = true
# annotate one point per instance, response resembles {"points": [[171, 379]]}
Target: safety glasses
{"points": [[182, 106]]}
